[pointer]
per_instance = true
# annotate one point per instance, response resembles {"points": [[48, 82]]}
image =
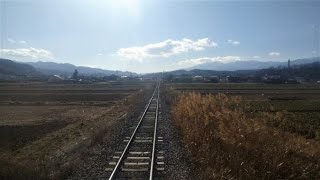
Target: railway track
{"points": [[138, 156]]}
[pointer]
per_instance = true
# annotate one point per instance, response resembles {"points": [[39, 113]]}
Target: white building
{"points": [[55, 79]]}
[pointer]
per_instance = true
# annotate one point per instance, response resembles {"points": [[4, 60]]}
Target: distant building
{"points": [[213, 79], [183, 79], [224, 79], [55, 79], [273, 79], [112, 77], [300, 79], [197, 78], [83, 81], [292, 81], [145, 78], [234, 79]]}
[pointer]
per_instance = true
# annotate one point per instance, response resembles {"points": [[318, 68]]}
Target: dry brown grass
{"points": [[228, 143]]}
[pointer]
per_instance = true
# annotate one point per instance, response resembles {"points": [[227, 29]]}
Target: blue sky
{"points": [[149, 36]]}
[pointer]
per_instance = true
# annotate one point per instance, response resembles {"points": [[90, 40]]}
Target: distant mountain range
{"points": [[9, 67], [249, 65], [14, 71], [67, 69]]}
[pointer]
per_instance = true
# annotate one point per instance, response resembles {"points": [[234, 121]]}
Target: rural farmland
{"points": [[41, 123], [74, 131], [160, 90]]}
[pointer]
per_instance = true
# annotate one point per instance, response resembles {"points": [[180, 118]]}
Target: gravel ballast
{"points": [[176, 157]]}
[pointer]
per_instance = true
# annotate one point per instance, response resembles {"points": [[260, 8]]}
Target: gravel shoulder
{"points": [[177, 156]]}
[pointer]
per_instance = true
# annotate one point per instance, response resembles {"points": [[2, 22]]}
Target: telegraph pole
{"points": [[316, 39], [3, 24]]}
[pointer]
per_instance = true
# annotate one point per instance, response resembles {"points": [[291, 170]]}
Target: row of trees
{"points": [[310, 71]]}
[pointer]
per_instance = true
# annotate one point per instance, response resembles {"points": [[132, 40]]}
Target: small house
{"points": [[55, 79]]}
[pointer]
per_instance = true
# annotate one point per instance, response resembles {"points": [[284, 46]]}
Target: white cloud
{"points": [[256, 57], [99, 54], [233, 42], [31, 52], [165, 49], [11, 41], [23, 42], [202, 60], [274, 54]]}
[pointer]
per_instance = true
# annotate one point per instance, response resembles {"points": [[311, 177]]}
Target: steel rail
{"points": [[154, 138], [132, 136]]}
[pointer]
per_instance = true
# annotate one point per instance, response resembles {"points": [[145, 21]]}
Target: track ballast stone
{"points": [[176, 157]]}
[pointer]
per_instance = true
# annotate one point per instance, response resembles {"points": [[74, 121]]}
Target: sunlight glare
{"points": [[131, 6]]}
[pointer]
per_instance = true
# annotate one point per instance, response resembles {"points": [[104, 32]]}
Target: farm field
{"points": [[253, 91], [65, 94], [299, 102], [41, 123], [241, 131]]}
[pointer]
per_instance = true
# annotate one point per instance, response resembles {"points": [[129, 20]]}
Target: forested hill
{"points": [[9, 67], [67, 69]]}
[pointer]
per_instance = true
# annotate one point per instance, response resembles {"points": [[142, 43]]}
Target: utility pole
{"points": [[316, 39], [3, 24], [289, 67]]}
